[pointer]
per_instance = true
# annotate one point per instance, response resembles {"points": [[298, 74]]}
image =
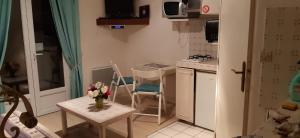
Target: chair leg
{"points": [[139, 103], [139, 99], [164, 102], [108, 98], [115, 93], [132, 100], [129, 92], [110, 88], [159, 109], [111, 85]]}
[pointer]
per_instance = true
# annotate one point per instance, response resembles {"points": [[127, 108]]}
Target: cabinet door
{"points": [[185, 94], [205, 100]]}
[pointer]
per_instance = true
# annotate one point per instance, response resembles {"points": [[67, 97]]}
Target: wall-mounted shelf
{"points": [[131, 21]]}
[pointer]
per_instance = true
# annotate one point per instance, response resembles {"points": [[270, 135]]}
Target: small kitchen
{"points": [[193, 40], [196, 75], [186, 39], [184, 42], [205, 69], [183, 34]]}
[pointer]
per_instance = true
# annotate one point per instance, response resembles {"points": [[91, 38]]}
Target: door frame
{"points": [[35, 94], [249, 74], [28, 59], [257, 114]]}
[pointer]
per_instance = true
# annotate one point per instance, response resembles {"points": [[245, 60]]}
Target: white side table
{"points": [[84, 108]]}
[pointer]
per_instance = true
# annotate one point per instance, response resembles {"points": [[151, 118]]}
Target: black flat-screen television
{"points": [[119, 9]]}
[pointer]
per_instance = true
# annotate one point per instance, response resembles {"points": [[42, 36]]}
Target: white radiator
{"points": [[102, 74]]}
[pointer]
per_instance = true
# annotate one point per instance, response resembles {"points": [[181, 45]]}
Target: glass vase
{"points": [[99, 103]]}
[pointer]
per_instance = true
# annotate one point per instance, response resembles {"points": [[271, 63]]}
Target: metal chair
{"points": [[142, 85], [119, 81]]}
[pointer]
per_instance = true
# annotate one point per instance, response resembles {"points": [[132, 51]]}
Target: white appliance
{"points": [[196, 78], [205, 100]]}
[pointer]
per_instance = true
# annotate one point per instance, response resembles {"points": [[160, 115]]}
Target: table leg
{"points": [[64, 122], [129, 126], [102, 132]]}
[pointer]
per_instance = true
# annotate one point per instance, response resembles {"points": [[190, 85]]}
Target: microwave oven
{"points": [[175, 8]]}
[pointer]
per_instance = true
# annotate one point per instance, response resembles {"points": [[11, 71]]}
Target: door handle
{"points": [[243, 73], [34, 56]]}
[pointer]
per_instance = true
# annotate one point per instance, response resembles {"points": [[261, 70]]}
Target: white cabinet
{"points": [[185, 94], [205, 100]]}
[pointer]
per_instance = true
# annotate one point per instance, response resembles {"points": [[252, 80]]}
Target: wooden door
{"points": [[233, 52]]}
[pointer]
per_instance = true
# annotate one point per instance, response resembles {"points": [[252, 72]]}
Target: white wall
{"points": [[99, 45], [161, 41], [158, 42]]}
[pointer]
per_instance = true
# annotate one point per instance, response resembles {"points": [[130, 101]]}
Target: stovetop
{"points": [[204, 57], [202, 62], [199, 58]]}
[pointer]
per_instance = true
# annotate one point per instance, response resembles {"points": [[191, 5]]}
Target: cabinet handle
{"points": [[243, 73]]}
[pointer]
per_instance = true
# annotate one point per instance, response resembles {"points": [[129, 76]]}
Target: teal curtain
{"points": [[293, 92], [66, 19], [5, 10]]}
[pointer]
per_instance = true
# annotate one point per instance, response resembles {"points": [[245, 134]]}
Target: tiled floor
{"points": [[182, 130]]}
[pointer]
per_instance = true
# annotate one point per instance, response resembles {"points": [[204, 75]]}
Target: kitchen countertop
{"points": [[210, 65]]}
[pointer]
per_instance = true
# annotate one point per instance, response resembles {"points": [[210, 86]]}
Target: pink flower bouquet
{"points": [[98, 91]]}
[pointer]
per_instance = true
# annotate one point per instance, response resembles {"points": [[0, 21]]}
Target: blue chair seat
{"points": [[148, 88], [128, 80]]}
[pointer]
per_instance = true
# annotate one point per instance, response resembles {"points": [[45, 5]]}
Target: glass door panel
{"points": [[33, 63], [48, 50], [17, 69], [14, 70], [48, 66]]}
